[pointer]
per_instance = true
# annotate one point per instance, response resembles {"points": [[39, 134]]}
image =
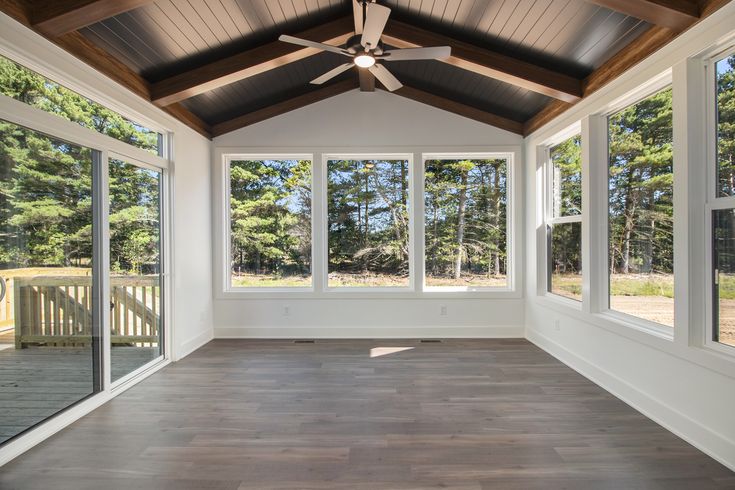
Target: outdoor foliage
{"points": [[270, 216], [641, 186], [465, 222], [367, 207], [726, 125], [45, 185], [566, 238]]}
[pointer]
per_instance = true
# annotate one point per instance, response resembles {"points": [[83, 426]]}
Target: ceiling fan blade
{"points": [[312, 44], [385, 77], [377, 16], [332, 73], [357, 13], [434, 53]]}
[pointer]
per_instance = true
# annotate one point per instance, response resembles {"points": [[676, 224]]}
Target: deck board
{"points": [[37, 382]]}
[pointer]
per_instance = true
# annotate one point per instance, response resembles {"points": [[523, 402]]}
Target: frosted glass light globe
{"points": [[364, 61]]}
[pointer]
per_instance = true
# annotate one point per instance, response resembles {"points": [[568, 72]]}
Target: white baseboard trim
{"points": [[193, 344], [693, 432], [377, 332]]}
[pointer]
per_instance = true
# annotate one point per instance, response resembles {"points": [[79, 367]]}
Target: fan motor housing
{"points": [[354, 46]]}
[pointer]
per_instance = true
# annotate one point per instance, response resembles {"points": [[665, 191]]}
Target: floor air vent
{"points": [[431, 341], [305, 341]]}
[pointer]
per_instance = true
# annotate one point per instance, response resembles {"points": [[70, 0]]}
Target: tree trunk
{"points": [[460, 225]]}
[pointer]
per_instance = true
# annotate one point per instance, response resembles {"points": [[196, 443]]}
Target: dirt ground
{"points": [[661, 310]]}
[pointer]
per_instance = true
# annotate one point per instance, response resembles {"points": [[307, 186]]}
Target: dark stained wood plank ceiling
{"points": [[585, 41]]}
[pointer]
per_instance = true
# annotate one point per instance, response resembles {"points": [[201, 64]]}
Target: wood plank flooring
{"points": [[462, 414]]}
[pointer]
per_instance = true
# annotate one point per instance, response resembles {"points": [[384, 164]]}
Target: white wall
{"points": [[193, 308], [361, 122], [677, 381]]}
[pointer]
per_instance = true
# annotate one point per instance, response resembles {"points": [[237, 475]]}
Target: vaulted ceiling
{"points": [[217, 65]]}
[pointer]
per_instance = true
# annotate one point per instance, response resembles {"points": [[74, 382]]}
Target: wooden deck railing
{"points": [[53, 310]]}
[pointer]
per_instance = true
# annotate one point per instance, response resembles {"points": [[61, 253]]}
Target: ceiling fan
{"points": [[366, 49]]}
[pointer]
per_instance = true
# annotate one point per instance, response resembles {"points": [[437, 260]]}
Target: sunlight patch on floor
{"points": [[385, 351]]}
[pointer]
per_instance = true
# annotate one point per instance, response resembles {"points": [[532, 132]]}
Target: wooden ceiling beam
{"points": [[674, 14], [487, 62], [56, 17], [303, 100], [248, 63], [641, 48], [460, 109]]}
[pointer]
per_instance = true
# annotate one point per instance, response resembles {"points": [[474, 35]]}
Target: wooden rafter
{"points": [[56, 17], [247, 64], [272, 55], [646, 44], [674, 14], [487, 62], [458, 108], [307, 98]]}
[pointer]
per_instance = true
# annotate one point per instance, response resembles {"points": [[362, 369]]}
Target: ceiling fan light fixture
{"points": [[364, 60]]}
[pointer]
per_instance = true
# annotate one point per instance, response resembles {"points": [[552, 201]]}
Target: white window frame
{"points": [[227, 225], [713, 202], [324, 231], [598, 164], [510, 214], [35, 119], [549, 214], [319, 288]]}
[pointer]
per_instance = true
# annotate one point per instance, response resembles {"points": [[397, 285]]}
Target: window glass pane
{"points": [[565, 278], [641, 219], [465, 220], [46, 326], [368, 223], [270, 223], [566, 160], [723, 222], [135, 267], [726, 126], [31, 88]]}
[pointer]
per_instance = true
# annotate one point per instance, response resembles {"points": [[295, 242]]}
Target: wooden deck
{"points": [[37, 382], [462, 414]]}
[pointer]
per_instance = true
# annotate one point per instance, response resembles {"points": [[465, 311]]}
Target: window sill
{"points": [[364, 294]]}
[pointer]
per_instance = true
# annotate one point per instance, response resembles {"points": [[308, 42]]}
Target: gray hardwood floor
{"points": [[463, 414]]}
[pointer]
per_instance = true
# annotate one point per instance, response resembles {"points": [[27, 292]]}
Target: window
{"points": [[723, 208], [270, 222], [368, 222], [641, 216], [465, 222], [48, 334], [564, 231], [24, 85], [135, 267]]}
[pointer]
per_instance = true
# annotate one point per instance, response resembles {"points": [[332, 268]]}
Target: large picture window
{"points": [[564, 231], [723, 217], [270, 222], [641, 213], [368, 222], [465, 222]]}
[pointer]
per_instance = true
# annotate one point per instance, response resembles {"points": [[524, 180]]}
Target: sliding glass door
{"points": [[49, 334], [136, 325]]}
